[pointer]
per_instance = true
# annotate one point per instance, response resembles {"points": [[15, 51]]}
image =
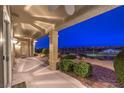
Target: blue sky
{"points": [[106, 29]]}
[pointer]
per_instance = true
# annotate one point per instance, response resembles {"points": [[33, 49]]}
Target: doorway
{"points": [[5, 48]]}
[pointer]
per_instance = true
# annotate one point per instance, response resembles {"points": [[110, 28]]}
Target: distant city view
{"points": [[107, 53]]}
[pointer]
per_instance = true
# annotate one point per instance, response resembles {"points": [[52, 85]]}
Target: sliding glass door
{"points": [[1, 49], [5, 48]]}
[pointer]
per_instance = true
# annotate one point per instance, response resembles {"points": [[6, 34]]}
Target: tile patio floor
{"points": [[38, 75]]}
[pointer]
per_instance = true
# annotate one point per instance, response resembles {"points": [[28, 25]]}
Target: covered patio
{"points": [[20, 29], [36, 74], [105, 30], [46, 22]]}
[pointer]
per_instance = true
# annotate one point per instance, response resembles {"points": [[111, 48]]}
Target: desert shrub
{"points": [[119, 66], [82, 69], [82, 55], [45, 51], [66, 65], [69, 57]]}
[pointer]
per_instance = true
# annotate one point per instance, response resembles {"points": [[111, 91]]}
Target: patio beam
{"points": [[53, 49]]}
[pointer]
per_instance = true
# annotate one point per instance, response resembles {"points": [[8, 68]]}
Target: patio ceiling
{"points": [[35, 21], [104, 30]]}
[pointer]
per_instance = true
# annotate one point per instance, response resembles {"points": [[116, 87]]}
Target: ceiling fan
{"points": [[70, 9]]}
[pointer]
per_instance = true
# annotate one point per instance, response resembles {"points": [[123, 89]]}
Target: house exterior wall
{"points": [[24, 48], [1, 48]]}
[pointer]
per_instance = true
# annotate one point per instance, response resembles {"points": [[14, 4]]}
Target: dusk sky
{"points": [[106, 29]]}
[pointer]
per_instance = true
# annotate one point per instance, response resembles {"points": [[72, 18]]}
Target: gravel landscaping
{"points": [[101, 78], [104, 77]]}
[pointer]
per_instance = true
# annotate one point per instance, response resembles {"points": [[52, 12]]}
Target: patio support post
{"points": [[53, 49], [33, 47]]}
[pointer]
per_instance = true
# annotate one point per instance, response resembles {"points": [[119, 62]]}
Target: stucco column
{"points": [[31, 47], [53, 49]]}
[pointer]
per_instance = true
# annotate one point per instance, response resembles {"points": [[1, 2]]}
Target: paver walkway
{"points": [[38, 75]]}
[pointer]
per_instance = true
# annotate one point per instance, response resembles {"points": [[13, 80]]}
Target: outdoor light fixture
{"points": [[35, 41], [18, 45], [15, 41]]}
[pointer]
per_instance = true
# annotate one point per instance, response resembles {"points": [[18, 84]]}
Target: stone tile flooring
{"points": [[37, 75]]}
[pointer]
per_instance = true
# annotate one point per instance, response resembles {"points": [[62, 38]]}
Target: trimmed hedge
{"points": [[119, 66], [82, 69], [69, 57], [66, 65], [45, 51]]}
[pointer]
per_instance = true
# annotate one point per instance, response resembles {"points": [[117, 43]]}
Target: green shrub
{"points": [[119, 66], [66, 65], [82, 69], [45, 51], [69, 57]]}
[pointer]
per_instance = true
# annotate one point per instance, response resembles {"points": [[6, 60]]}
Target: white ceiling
{"points": [[37, 20]]}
